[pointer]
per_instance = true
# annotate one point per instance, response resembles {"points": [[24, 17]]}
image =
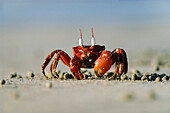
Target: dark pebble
{"points": [[109, 74], [144, 78], [157, 68], [2, 82], [68, 76], [134, 77], [31, 74], [19, 76], [13, 75], [165, 78], [124, 77], [85, 76]]}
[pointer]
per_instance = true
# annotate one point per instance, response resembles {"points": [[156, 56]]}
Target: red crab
{"points": [[88, 56]]}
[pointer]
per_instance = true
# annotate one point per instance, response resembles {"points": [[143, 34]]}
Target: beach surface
{"points": [[30, 30]]}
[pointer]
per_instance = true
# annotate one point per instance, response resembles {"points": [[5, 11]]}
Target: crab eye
{"points": [[93, 39], [80, 42], [80, 39]]}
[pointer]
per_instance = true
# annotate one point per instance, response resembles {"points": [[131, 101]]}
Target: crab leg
{"points": [[59, 55], [119, 56], [75, 64]]}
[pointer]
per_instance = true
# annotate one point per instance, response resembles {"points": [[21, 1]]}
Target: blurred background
{"points": [[31, 29]]}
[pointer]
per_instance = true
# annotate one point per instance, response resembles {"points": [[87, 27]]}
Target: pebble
{"points": [[85, 76], [67, 76], [58, 72], [134, 77], [157, 68], [49, 85], [165, 78], [109, 74], [19, 76], [152, 95], [16, 96], [162, 75], [2, 82], [144, 77], [61, 76], [158, 79], [13, 75], [128, 97], [30, 74], [123, 77]]}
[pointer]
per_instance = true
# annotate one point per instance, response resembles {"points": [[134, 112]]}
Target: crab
{"points": [[88, 56]]}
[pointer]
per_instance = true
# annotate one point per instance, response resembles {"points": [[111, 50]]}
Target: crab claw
{"points": [[103, 63]]}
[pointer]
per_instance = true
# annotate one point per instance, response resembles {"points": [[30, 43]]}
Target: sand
{"points": [[33, 94], [37, 95]]}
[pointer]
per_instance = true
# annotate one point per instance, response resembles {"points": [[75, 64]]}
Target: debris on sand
{"points": [[127, 97], [135, 75], [2, 82], [152, 95], [49, 85], [13, 75], [30, 75]]}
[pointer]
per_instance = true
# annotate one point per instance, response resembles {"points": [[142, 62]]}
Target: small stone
{"points": [[139, 75], [61, 76], [2, 82], [150, 77], [123, 77], [165, 78], [16, 96], [49, 85], [31, 74], [158, 79], [152, 95], [162, 75], [13, 75], [19, 76], [144, 77], [157, 68], [85, 76], [134, 77], [67, 76], [109, 74], [153, 76], [128, 97], [58, 72]]}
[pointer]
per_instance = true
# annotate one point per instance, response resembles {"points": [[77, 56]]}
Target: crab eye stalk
{"points": [[93, 39], [80, 39]]}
